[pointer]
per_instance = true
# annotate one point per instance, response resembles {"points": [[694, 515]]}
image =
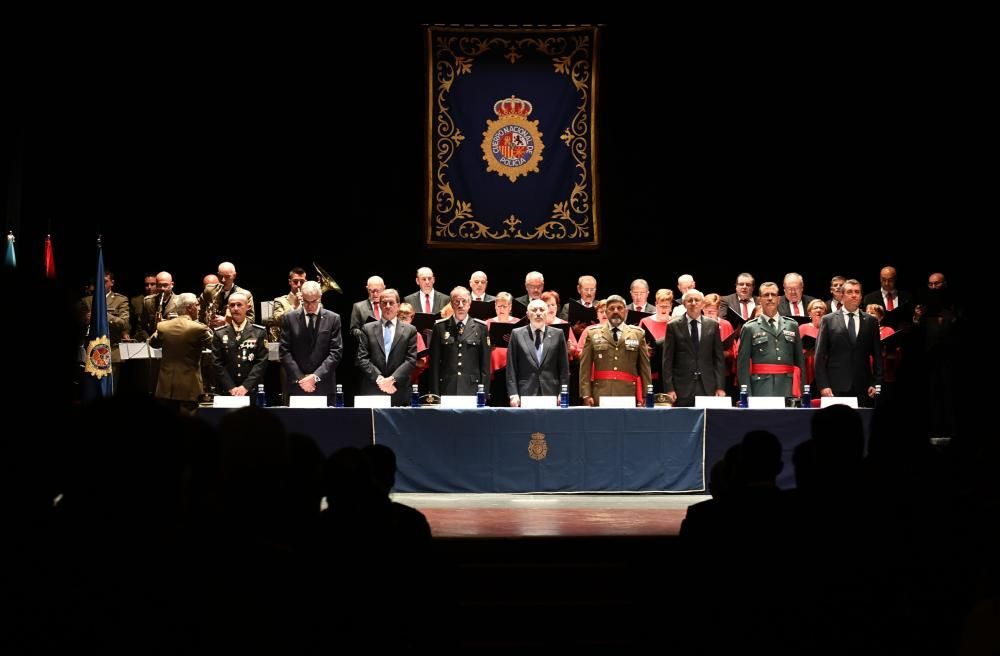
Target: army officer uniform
{"points": [[240, 356], [610, 368]]}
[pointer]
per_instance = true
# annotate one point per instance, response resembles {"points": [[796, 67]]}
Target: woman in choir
{"points": [[405, 314], [551, 299], [656, 325], [809, 332], [710, 309], [498, 352]]}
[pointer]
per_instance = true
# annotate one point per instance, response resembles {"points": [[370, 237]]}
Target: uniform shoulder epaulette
{"points": [[440, 320], [596, 326], [219, 328], [479, 321], [151, 296], [257, 325]]}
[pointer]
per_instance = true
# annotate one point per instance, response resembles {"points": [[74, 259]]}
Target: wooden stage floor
{"points": [[551, 515]]}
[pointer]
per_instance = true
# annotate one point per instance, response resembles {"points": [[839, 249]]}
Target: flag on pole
{"points": [[50, 260], [11, 259], [97, 370]]}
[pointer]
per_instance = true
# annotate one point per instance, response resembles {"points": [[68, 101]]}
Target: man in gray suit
{"points": [[537, 358], [848, 350], [311, 346], [386, 370], [693, 362]]}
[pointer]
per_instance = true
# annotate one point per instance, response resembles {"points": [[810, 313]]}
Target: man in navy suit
{"points": [[311, 346], [848, 352], [387, 371], [537, 358], [693, 362]]}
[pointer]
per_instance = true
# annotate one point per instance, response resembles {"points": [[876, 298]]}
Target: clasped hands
{"points": [[387, 385]]}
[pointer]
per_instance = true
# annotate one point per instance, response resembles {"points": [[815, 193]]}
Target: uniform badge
{"points": [[99, 357], [447, 336], [512, 146], [538, 448]]}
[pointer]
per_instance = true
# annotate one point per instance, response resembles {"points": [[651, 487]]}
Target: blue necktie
{"points": [[851, 330], [387, 337]]}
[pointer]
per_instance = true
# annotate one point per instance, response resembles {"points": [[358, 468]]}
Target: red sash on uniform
{"points": [[622, 376], [779, 369]]}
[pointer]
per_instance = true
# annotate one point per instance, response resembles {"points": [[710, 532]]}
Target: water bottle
{"points": [[564, 397], [481, 396], [414, 397], [806, 397], [649, 396], [339, 398], [878, 395], [744, 395], [261, 397]]}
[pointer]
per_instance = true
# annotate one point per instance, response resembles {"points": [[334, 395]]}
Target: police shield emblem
{"points": [[512, 145], [98, 362], [538, 448]]}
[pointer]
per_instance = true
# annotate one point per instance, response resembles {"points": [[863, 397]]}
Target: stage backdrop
{"points": [[511, 159]]}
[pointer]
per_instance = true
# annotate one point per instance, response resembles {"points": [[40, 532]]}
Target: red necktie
{"points": [[795, 311], [427, 303], [889, 305], [746, 304], [378, 315]]}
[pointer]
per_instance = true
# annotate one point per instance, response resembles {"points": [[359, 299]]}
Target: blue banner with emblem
{"points": [[97, 356], [511, 158]]}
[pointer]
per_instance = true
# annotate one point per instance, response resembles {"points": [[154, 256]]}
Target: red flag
{"points": [[50, 260]]}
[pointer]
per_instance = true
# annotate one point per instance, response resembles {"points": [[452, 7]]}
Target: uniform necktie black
{"points": [[461, 327], [614, 334], [538, 338], [311, 322]]}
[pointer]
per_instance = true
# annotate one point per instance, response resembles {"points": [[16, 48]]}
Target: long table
{"points": [[557, 450]]}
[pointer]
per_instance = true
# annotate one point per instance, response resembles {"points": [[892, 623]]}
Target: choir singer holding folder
{"points": [[537, 358]]}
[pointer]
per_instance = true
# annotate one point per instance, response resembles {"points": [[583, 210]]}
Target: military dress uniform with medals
{"points": [[240, 356], [614, 368], [770, 360], [460, 357]]}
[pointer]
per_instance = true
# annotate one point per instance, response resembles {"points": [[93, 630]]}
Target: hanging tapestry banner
{"points": [[511, 143]]}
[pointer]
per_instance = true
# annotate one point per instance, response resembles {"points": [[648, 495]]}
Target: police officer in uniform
{"points": [[614, 358], [770, 360], [460, 356], [240, 351]]}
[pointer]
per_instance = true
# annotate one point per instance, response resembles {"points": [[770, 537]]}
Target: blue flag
{"points": [[97, 377], [11, 259]]}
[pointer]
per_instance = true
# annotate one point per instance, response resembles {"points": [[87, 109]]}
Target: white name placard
{"points": [[544, 402], [373, 401], [713, 402], [617, 402], [219, 401], [451, 401], [849, 401], [766, 403], [307, 401]]}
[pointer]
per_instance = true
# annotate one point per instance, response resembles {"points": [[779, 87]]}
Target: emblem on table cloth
{"points": [[538, 448], [512, 146], [99, 357]]}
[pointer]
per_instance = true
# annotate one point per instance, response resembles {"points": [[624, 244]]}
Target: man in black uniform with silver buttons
{"points": [[460, 356]]}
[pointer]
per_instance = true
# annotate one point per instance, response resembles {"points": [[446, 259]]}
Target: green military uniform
{"points": [[762, 344], [601, 353], [153, 312], [118, 314]]}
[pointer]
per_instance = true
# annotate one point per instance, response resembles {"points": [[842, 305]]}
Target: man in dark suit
{"points": [[311, 346], [239, 351], [887, 295], [794, 302], [639, 289], [426, 299], [537, 358], [460, 355], [586, 286], [477, 284], [386, 369], [693, 362], [848, 351], [370, 307], [740, 303], [534, 285]]}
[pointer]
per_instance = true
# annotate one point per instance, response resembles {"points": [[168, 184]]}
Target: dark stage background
{"points": [[725, 146]]}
